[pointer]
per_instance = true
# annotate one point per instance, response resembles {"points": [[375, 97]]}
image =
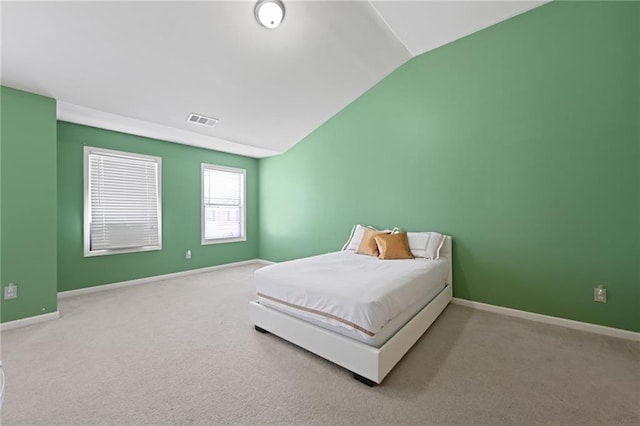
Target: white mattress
{"points": [[356, 295]]}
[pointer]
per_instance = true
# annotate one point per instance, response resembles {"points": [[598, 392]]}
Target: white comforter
{"points": [[349, 290]]}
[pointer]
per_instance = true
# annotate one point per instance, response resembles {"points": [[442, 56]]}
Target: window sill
{"points": [[223, 240], [121, 251]]}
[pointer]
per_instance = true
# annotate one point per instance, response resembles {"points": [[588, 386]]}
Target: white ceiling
{"points": [[142, 67]]}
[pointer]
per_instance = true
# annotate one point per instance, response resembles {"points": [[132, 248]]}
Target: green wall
{"points": [[28, 207], [521, 141], [180, 210], [1, 143]]}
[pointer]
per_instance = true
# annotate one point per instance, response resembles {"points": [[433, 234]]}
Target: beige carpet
{"points": [[182, 351]]}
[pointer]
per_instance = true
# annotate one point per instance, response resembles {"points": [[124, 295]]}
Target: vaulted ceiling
{"points": [[143, 67]]}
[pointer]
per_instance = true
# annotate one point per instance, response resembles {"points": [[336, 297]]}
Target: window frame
{"points": [[243, 205], [87, 201]]}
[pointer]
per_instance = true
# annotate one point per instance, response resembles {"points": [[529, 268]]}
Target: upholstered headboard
{"points": [[447, 251]]}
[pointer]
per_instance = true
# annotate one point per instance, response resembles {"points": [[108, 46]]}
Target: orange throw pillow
{"points": [[393, 246], [368, 245]]}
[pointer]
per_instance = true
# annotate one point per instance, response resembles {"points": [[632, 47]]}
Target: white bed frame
{"points": [[368, 363]]}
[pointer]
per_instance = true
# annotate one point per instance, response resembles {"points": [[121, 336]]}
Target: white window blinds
{"points": [[122, 202], [223, 204]]}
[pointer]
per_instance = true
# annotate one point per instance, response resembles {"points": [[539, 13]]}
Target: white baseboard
{"points": [[29, 321], [576, 325], [105, 287], [264, 262], [64, 294]]}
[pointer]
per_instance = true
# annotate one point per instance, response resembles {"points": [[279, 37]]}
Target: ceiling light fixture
{"points": [[269, 13]]}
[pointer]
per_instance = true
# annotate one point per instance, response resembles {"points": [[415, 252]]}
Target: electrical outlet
{"points": [[600, 294], [187, 255], [10, 291]]}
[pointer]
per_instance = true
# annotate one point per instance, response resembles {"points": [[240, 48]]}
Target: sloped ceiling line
{"points": [[391, 29], [142, 67]]}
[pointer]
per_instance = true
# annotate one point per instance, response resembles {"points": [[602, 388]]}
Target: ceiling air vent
{"points": [[202, 120]]}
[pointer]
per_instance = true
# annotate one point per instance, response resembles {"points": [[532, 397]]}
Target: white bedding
{"points": [[357, 293]]}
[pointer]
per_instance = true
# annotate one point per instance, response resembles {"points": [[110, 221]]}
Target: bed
{"points": [[357, 311]]}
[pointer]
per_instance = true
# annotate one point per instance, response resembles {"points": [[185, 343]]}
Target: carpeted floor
{"points": [[182, 351]]}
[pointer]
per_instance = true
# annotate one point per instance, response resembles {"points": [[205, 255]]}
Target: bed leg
{"points": [[364, 380], [261, 330]]}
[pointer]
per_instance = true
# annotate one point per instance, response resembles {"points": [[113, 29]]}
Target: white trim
{"points": [[243, 204], [105, 287], [576, 325], [264, 262], [9, 325]]}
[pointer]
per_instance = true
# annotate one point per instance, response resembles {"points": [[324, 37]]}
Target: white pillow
{"points": [[426, 244], [356, 236]]}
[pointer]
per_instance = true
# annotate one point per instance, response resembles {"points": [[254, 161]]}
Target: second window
{"points": [[223, 204]]}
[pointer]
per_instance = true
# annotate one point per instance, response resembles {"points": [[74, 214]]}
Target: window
{"points": [[223, 204], [122, 209]]}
